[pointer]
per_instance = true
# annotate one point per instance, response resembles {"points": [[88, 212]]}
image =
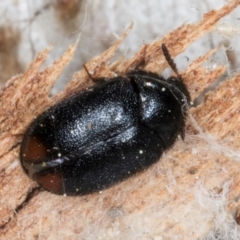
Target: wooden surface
{"points": [[191, 193]]}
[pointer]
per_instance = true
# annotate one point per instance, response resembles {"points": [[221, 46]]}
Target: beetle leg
{"points": [[95, 80], [142, 62]]}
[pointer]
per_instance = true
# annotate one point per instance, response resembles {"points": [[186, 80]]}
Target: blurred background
{"points": [[28, 27]]}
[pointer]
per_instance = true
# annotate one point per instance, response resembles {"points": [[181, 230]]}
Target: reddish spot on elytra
{"points": [[52, 182], [34, 150]]}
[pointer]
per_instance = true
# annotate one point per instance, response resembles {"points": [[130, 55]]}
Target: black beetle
{"points": [[107, 133]]}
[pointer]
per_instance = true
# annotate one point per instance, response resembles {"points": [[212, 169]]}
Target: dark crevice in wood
{"points": [[11, 149], [21, 206], [29, 196]]}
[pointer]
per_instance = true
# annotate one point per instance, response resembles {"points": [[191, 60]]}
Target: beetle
{"points": [[107, 133]]}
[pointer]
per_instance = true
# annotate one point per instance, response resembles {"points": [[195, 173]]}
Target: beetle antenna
{"points": [[88, 73], [170, 61]]}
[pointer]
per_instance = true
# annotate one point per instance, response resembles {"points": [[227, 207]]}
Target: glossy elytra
{"points": [[102, 135]]}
